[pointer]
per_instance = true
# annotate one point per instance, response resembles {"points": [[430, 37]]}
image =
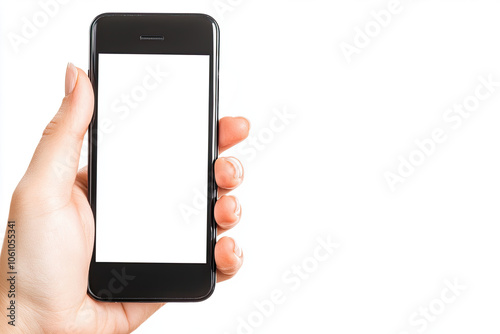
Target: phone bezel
{"points": [[184, 34]]}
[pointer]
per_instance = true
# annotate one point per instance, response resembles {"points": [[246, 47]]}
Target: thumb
{"points": [[54, 165]]}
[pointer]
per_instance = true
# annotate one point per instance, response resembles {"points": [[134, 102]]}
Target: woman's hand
{"points": [[54, 228]]}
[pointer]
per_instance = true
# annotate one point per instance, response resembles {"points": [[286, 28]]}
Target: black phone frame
{"points": [[191, 34]]}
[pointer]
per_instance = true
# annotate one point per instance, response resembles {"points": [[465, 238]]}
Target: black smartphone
{"points": [[153, 141]]}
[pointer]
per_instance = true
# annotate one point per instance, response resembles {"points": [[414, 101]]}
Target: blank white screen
{"points": [[152, 153]]}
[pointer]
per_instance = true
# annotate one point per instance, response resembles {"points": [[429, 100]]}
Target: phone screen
{"points": [[152, 139]]}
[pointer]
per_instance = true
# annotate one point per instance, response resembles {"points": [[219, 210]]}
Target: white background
{"points": [[322, 174]]}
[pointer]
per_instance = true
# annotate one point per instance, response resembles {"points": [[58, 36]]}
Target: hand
{"points": [[54, 228]]}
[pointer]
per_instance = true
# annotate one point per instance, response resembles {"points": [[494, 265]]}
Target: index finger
{"points": [[232, 130]]}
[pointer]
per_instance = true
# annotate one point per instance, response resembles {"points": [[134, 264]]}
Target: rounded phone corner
{"points": [[96, 297], [92, 294], [207, 295], [212, 21], [96, 19]]}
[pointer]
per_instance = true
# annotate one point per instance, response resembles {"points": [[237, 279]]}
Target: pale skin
{"points": [[54, 228]]}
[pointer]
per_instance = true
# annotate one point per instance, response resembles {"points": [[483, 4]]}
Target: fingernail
{"points": [[71, 77], [249, 124], [238, 168], [237, 210], [237, 250]]}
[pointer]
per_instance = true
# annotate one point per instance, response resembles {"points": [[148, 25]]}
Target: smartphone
{"points": [[152, 147]]}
